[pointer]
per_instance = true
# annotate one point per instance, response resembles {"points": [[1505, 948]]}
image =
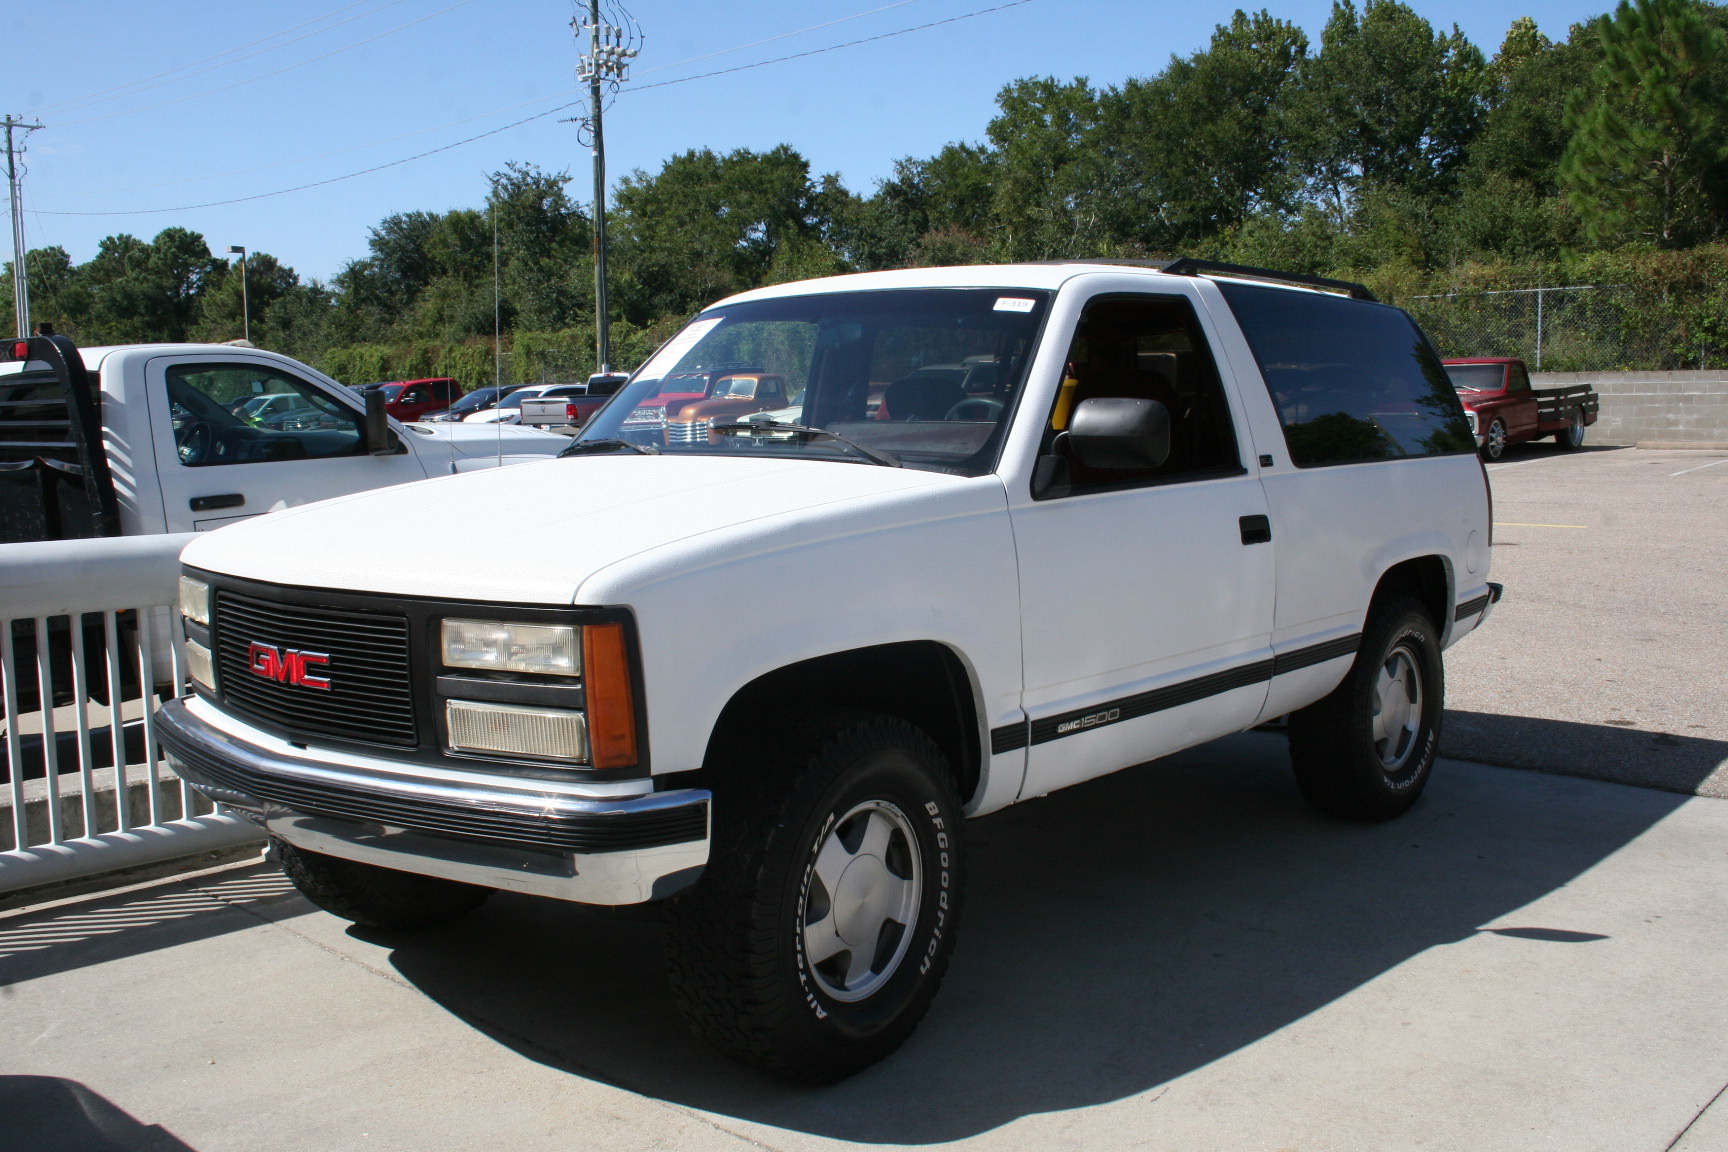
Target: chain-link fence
{"points": [[1581, 328]]}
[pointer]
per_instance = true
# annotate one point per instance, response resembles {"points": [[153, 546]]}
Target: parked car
{"points": [[570, 405], [1503, 409], [410, 400], [762, 676], [478, 400], [509, 409]]}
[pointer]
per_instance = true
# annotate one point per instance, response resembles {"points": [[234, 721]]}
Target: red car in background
{"points": [[409, 400], [1504, 409]]}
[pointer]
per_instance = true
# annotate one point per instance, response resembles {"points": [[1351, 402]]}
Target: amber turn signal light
{"points": [[611, 701]]}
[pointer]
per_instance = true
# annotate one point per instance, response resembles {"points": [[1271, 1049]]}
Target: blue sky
{"points": [[259, 97]]}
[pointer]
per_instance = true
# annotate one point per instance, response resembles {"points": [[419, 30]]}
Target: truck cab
{"points": [[195, 436]]}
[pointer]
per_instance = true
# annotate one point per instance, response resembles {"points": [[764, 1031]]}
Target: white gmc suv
{"points": [[845, 563]]}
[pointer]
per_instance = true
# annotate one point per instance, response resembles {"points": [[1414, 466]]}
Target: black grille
{"points": [[369, 698]]}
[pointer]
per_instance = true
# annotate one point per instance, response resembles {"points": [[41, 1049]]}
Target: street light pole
{"points": [[245, 302]]}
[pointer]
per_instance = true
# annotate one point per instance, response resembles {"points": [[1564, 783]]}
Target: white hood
{"points": [[547, 533]]}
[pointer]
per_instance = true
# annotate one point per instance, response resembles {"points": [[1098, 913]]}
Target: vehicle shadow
{"points": [[1598, 751], [53, 1114], [1119, 934]]}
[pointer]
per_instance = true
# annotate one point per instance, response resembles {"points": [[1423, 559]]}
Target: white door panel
{"points": [[1127, 593], [250, 486]]}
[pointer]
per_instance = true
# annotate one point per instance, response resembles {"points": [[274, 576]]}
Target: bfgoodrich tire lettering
{"points": [[817, 938], [1365, 752]]}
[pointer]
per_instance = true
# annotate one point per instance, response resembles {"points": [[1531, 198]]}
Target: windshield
{"points": [[1477, 377], [926, 377]]}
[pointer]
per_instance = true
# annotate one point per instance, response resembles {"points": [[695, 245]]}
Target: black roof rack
{"points": [[1189, 266]]}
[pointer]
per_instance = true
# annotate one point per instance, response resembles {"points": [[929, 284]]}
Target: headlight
{"points": [[499, 646], [195, 600]]}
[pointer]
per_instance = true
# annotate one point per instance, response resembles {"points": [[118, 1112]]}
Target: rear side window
{"points": [[1352, 381]]}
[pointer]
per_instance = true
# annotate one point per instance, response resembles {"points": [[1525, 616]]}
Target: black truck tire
{"points": [[1571, 437], [814, 943], [1365, 751], [375, 897]]}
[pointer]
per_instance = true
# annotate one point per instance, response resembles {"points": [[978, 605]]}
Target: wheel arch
{"points": [[1427, 578], [923, 682]]}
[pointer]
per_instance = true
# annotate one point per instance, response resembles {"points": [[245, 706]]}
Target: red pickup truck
{"points": [[1504, 409], [409, 400]]}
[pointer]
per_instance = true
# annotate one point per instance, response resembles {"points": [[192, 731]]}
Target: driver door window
{"points": [[249, 413], [1146, 348]]}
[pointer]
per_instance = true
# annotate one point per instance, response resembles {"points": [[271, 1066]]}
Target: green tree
{"points": [[1649, 144], [1195, 149], [708, 225], [146, 292], [1051, 189], [1388, 102]]}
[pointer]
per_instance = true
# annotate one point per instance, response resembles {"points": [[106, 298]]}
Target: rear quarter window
{"points": [[1353, 381]]}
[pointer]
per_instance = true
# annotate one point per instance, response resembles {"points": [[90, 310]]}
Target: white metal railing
{"points": [[88, 649]]}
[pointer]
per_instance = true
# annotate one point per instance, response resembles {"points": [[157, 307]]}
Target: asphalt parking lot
{"points": [[1609, 656]]}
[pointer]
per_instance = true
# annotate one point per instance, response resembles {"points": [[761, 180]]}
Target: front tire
{"points": [[375, 897], [816, 940], [1365, 752], [1494, 443]]}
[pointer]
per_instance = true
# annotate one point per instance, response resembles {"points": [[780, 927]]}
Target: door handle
{"points": [[1256, 529], [210, 503]]}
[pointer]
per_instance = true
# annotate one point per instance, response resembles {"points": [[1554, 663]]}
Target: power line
{"points": [[103, 96], [481, 116], [531, 119], [831, 48], [277, 72]]}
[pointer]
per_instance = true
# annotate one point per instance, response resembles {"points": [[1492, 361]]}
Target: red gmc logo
{"points": [[290, 667]]}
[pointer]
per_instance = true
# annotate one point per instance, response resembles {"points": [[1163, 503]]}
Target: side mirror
{"points": [[1119, 432], [379, 441]]}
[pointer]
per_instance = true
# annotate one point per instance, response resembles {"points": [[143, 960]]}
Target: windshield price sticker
{"points": [[667, 358], [1014, 304]]}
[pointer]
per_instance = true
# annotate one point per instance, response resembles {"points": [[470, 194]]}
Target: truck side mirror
{"points": [[379, 441], [1120, 432]]}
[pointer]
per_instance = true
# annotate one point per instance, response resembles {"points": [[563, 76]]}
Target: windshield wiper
{"points": [[583, 447], [760, 424]]}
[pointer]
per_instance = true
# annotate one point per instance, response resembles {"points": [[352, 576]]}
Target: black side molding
{"points": [[1188, 691]]}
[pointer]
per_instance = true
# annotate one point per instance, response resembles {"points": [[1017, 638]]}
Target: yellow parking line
{"points": [[1510, 524]]}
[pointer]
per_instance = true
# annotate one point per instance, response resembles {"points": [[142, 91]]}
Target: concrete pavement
{"points": [[1178, 957]]}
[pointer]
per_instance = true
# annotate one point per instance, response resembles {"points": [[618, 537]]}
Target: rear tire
{"points": [[1365, 752], [375, 897], [817, 938], [1571, 437]]}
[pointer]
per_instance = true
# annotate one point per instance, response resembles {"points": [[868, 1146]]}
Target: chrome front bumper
{"points": [[502, 832]]}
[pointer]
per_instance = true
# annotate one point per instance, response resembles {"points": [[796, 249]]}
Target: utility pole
{"points": [[20, 274], [245, 302], [608, 60]]}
